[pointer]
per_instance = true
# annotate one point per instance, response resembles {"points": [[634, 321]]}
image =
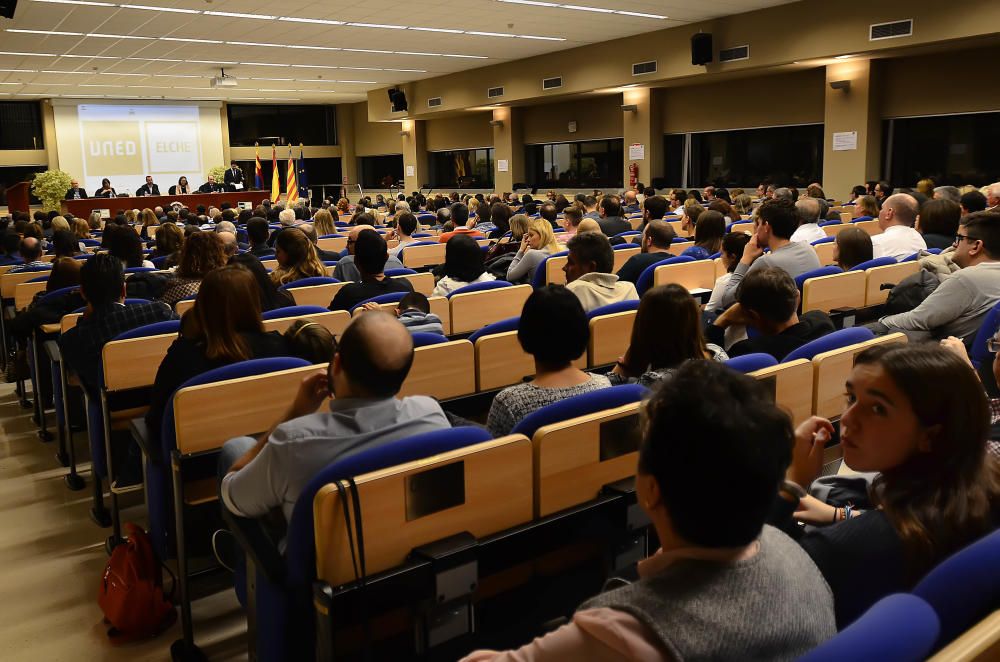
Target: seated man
{"points": [[406, 225], [656, 240], [776, 221], [899, 239], [720, 571], [257, 231], [767, 300], [588, 272], [611, 220], [414, 312], [460, 217], [370, 256], [31, 256], [11, 246], [957, 307], [364, 376], [211, 186], [808, 210], [310, 232], [572, 216], [102, 285], [346, 269]]}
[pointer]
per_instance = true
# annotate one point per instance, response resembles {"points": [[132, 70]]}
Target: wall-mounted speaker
{"points": [[7, 8], [701, 48], [398, 100]]}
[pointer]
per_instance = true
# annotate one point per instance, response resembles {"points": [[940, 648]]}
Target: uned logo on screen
{"points": [[112, 148]]}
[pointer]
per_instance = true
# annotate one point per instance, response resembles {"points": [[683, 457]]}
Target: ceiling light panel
{"points": [[584, 8]]}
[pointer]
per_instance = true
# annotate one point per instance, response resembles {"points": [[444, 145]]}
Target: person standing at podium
{"points": [[105, 191], [75, 192], [211, 186], [149, 188], [234, 177]]}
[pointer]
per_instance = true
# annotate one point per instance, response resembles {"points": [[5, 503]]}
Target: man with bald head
{"points": [[31, 255], [898, 239], [346, 269], [363, 377]]}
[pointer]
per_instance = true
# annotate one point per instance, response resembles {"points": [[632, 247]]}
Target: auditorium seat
{"points": [[979, 355], [792, 385], [474, 306], [645, 280], [832, 367], [900, 627], [831, 341], [25, 292], [422, 339], [980, 643], [695, 276], [580, 405], [679, 245], [314, 291], [185, 304], [610, 332], [816, 273], [550, 274], [279, 319], [443, 371], [751, 362], [835, 229], [840, 290], [871, 264], [890, 274], [422, 254]]}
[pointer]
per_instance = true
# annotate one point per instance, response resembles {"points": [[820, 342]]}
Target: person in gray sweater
{"points": [[957, 307], [777, 220], [723, 585]]}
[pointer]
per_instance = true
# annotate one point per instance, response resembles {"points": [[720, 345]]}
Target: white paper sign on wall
{"points": [[409, 171], [636, 152], [845, 141], [503, 165]]}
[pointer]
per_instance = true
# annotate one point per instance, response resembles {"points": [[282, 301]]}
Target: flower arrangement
{"points": [[50, 187]]}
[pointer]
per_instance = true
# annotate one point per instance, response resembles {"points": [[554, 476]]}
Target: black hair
{"points": [[459, 214], [257, 230], [593, 247], [126, 246], [859, 190], [548, 308], [611, 206], [310, 341], [940, 216], [973, 201], [549, 213], [101, 279], [363, 361], [985, 226], [709, 419], [781, 215], [64, 243], [11, 243], [406, 222], [271, 298], [655, 206], [770, 292], [370, 253], [415, 300], [463, 259]]}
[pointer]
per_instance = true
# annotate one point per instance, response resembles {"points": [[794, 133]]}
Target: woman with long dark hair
{"points": [[463, 265], [271, 298], [297, 257]]}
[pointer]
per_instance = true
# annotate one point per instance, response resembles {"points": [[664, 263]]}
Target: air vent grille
{"points": [[641, 68], [891, 30], [434, 102], [551, 83], [494, 92], [734, 54]]}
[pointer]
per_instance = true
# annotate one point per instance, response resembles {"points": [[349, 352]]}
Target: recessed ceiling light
{"points": [[321, 21], [115, 73], [842, 57], [177, 10], [377, 25], [55, 71], [91, 57], [365, 50], [19, 71], [152, 59], [50, 32], [261, 64], [9, 83], [190, 41], [273, 79], [26, 54], [177, 76], [598, 10], [208, 62], [101, 35], [233, 14], [87, 3], [489, 34], [438, 30]]}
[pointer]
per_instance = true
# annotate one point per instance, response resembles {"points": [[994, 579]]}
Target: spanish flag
{"points": [[291, 187], [258, 175], [275, 180]]}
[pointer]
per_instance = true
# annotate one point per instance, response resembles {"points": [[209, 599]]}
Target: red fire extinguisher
{"points": [[633, 174]]}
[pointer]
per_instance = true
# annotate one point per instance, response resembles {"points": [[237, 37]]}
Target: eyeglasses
{"points": [[993, 345], [960, 237]]}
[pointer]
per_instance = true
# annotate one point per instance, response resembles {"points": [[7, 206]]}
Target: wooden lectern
{"points": [[17, 197]]}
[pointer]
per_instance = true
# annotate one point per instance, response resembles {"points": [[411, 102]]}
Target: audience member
{"points": [[992, 193], [653, 208], [323, 222], [538, 243], [271, 296], [732, 250], [752, 593], [127, 247], [202, 252], [460, 216], [49, 310], [938, 223], [406, 225], [948, 193], [463, 265], [708, 232], [296, 258], [572, 217], [588, 272], [346, 270], [363, 377], [309, 230], [896, 218], [656, 239], [971, 202], [767, 301], [64, 244], [310, 341], [548, 309], [258, 232], [549, 213], [881, 192], [30, 250], [852, 247], [414, 312], [370, 256], [808, 210], [611, 220], [169, 239]]}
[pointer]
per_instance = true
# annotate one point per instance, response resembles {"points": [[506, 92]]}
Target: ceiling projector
{"points": [[225, 81]]}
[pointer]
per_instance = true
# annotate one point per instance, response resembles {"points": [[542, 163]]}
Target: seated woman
{"points": [[938, 221], [180, 188], [105, 191], [554, 330], [937, 491], [323, 222], [708, 232], [538, 243], [852, 247], [865, 205], [169, 240], [271, 298], [310, 341], [463, 265], [499, 215], [95, 221], [725, 208], [297, 258], [202, 253], [732, 251], [64, 244], [667, 332], [149, 223], [223, 327], [81, 229], [127, 247]]}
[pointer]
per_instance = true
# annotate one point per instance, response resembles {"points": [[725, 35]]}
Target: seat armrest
{"points": [[140, 432], [52, 349], [257, 544]]}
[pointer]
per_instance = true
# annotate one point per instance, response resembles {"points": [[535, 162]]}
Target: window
{"points": [[953, 150], [673, 162], [381, 171], [588, 164], [282, 125], [21, 125], [461, 168], [785, 155]]}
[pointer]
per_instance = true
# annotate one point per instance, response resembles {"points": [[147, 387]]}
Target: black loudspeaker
{"points": [[701, 48], [7, 8], [398, 100]]}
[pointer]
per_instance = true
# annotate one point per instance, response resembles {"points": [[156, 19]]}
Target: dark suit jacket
{"points": [[231, 180], [142, 190], [327, 256], [211, 188], [69, 194], [111, 194]]}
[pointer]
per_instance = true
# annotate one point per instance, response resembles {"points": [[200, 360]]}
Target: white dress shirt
{"points": [[808, 232], [898, 241]]}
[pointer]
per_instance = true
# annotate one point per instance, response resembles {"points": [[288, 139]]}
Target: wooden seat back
{"points": [[10, 281], [270, 264], [792, 385], [24, 293], [335, 321], [609, 337], [443, 371], [568, 465], [500, 361], [554, 274], [699, 274], [846, 290], [315, 295], [622, 256], [825, 253], [679, 247], [830, 372], [183, 306], [834, 230], [423, 282], [415, 257], [980, 643], [871, 227], [256, 403], [69, 321], [877, 276], [742, 227], [333, 244], [133, 363], [473, 310], [439, 306], [496, 476]]}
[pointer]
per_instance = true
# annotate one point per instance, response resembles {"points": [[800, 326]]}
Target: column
{"points": [[851, 108], [348, 158], [508, 149], [643, 132], [414, 137], [49, 136], [227, 152]]}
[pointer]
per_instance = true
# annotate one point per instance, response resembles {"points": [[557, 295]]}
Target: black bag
{"points": [[498, 266], [911, 292], [146, 285]]}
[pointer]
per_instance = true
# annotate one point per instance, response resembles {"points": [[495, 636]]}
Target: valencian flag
{"points": [[303, 181], [258, 175], [291, 188], [275, 180]]}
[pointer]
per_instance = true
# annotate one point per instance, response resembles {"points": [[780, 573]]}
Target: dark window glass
{"points": [[282, 125], [381, 171], [673, 161], [322, 175], [785, 155], [461, 168], [21, 125], [589, 164], [953, 150], [13, 175]]}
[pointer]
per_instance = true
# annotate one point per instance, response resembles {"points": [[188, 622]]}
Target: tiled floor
{"points": [[52, 558]]}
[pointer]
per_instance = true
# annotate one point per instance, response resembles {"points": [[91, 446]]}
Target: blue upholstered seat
{"points": [[871, 264], [479, 287], [751, 362], [841, 338], [824, 240], [421, 339], [988, 329], [391, 297], [503, 326], [645, 280], [538, 279], [612, 308], [293, 311], [580, 405], [400, 272], [308, 282], [816, 273]]}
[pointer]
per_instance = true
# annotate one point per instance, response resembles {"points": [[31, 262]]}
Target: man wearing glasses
{"points": [[957, 307], [346, 270]]}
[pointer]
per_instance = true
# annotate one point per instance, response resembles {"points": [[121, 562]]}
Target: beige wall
{"points": [[596, 117], [768, 100], [373, 138], [460, 131], [940, 83]]}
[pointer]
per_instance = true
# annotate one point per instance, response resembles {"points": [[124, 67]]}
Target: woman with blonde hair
{"points": [[201, 253], [538, 243], [323, 222], [131, 216], [926, 186], [148, 220], [60, 223], [95, 222], [81, 229], [297, 258]]}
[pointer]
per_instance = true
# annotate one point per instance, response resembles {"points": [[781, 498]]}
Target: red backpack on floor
{"points": [[131, 592]]}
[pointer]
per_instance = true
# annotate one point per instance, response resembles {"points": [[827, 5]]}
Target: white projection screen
{"points": [[127, 141]]}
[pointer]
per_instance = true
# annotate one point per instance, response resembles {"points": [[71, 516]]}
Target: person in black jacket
{"points": [[258, 232], [370, 255], [223, 327], [611, 220], [233, 177], [75, 192], [149, 188], [937, 489]]}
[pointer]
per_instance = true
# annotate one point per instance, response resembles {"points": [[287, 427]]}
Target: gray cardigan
{"points": [[522, 268]]}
